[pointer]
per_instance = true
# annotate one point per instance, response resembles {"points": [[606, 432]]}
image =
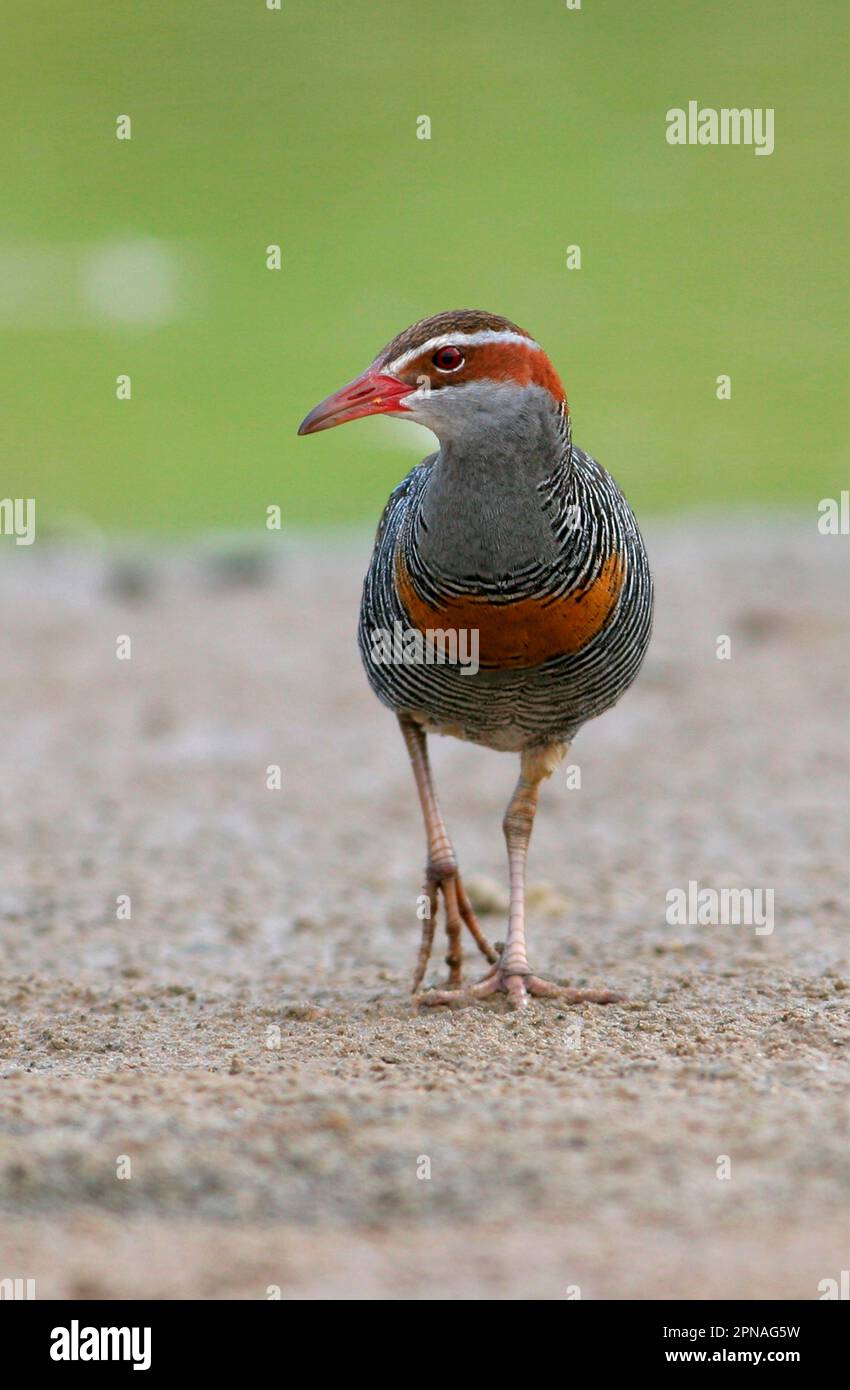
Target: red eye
{"points": [[447, 359]]}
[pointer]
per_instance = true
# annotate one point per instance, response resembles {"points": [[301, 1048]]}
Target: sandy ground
{"points": [[245, 1041]]}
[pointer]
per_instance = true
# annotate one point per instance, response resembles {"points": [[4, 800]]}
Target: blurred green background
{"points": [[252, 126]]}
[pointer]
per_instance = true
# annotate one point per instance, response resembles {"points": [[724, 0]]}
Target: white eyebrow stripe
{"points": [[484, 335]]}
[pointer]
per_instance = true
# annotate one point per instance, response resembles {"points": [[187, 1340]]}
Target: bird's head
{"points": [[452, 372]]}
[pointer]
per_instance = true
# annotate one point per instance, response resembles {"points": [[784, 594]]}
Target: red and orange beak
{"points": [[371, 393]]}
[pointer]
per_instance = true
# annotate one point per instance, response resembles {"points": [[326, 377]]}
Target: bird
{"points": [[508, 599]]}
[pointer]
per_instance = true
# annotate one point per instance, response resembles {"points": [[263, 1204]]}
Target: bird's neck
{"points": [[483, 512]]}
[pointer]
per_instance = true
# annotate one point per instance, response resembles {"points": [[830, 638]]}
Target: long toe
{"points": [[519, 989], [573, 996]]}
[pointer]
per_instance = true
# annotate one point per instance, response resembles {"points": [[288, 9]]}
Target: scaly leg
{"points": [[441, 872], [511, 974]]}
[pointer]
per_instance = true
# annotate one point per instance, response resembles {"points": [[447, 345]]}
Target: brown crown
{"points": [[452, 321]]}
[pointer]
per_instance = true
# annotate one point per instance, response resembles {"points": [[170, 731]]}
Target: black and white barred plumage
{"points": [[585, 513]]}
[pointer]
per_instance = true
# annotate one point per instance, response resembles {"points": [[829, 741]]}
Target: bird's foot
{"points": [[519, 987], [459, 914]]}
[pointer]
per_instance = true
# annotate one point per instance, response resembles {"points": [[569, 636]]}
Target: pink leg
{"points": [[511, 974], [441, 872]]}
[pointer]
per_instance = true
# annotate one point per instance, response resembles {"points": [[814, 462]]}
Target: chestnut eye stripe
{"points": [[459, 340]]}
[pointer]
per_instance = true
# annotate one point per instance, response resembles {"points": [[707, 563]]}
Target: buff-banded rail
{"points": [[508, 599]]}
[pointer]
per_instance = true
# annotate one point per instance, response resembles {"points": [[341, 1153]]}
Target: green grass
{"points": [[298, 127]]}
